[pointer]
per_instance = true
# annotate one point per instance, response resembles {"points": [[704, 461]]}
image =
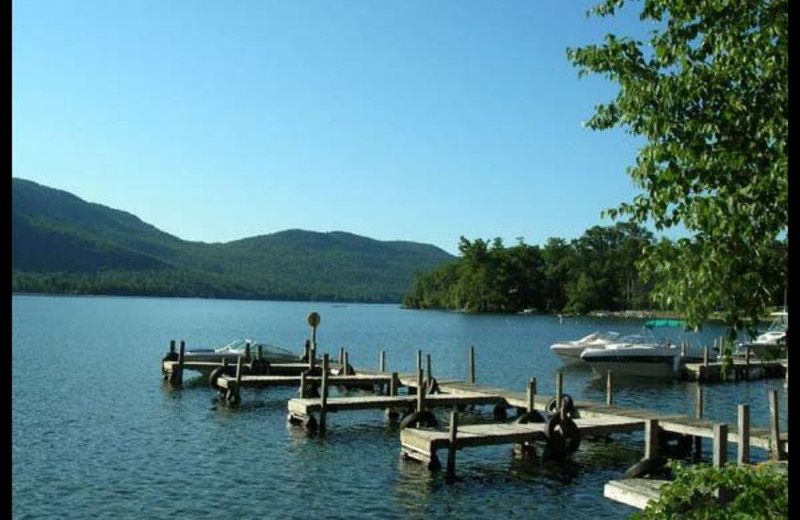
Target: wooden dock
{"points": [[739, 370], [635, 492], [557, 421]]}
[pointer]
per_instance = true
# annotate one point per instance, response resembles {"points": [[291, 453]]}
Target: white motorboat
{"points": [[772, 343], [235, 349], [640, 354], [570, 351], [635, 355]]}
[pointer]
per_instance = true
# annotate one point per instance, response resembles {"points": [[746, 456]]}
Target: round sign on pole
{"points": [[314, 319]]}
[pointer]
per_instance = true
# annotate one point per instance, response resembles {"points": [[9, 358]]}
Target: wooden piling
{"points": [[684, 348], [420, 392], [172, 346], [609, 389], [651, 439], [394, 384], [743, 455], [259, 352], [705, 355], [531, 394], [428, 371], [472, 364], [698, 413], [747, 363], [559, 389], [774, 427], [341, 356], [323, 409], [302, 391], [247, 350], [720, 444], [382, 362], [451, 448], [178, 379], [346, 365]]}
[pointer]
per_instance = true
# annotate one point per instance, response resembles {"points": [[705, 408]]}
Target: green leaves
{"points": [[711, 98], [731, 492]]}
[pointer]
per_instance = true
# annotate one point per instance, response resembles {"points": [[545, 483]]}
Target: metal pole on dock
{"points": [[609, 389], [323, 406], [531, 394], [451, 448], [472, 364], [313, 319], [720, 444], [743, 455], [774, 427]]}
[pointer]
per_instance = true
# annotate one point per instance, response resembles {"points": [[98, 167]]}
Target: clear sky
{"points": [[418, 120]]}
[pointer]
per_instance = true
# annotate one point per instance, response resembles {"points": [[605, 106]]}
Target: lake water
{"points": [[97, 434]]}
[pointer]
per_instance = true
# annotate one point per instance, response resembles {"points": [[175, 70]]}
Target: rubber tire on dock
{"points": [[563, 436], [216, 373], [530, 417], [566, 402], [424, 419]]}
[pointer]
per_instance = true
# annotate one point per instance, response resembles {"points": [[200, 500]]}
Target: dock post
{"points": [[651, 439], [312, 356], [247, 350], [259, 352], [720, 444], [341, 356], [609, 389], [531, 394], [743, 456], [177, 376], [393, 384], [428, 372], [346, 365], [382, 362], [559, 389], [698, 413], [705, 355], [302, 385], [323, 406], [420, 392], [172, 346], [774, 427], [451, 448], [747, 363], [472, 364], [684, 348]]}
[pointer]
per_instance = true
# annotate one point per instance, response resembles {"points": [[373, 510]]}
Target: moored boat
{"points": [[570, 351]]}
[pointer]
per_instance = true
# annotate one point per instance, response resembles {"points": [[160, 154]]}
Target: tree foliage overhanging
{"points": [[709, 93]]}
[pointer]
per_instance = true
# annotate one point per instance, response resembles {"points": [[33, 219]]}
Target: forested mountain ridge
{"points": [[61, 243]]}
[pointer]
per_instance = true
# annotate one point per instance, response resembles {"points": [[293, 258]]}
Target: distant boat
{"points": [[772, 343], [570, 351]]}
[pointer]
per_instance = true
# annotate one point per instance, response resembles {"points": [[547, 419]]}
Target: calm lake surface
{"points": [[97, 434]]}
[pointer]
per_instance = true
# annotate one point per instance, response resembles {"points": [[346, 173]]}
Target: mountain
{"points": [[61, 243]]}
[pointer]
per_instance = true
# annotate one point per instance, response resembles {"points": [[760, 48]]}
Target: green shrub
{"points": [[732, 492]]}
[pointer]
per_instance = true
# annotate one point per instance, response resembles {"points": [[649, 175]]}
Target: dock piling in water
{"points": [[743, 455], [472, 364]]}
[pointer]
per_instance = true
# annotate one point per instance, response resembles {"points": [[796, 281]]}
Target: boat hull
{"points": [[650, 366]]}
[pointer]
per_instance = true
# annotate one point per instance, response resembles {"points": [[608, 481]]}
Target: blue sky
{"points": [[396, 120]]}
